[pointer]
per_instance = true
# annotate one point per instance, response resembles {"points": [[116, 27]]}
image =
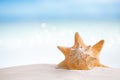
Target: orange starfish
{"points": [[81, 56]]}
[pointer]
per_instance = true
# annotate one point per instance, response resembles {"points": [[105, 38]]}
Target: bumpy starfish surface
{"points": [[81, 56]]}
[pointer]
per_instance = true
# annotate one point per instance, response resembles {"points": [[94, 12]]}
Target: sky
{"points": [[37, 10], [30, 30]]}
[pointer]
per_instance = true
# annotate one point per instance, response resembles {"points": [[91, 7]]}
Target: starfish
{"points": [[81, 56]]}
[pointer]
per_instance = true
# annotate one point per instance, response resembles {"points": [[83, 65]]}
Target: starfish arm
{"points": [[78, 41], [64, 50], [97, 48], [101, 65], [62, 65]]}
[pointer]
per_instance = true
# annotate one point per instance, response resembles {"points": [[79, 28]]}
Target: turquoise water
{"points": [[24, 43]]}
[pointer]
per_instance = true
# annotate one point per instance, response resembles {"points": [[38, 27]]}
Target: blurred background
{"points": [[30, 30]]}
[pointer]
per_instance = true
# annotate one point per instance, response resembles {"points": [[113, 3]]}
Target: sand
{"points": [[49, 72]]}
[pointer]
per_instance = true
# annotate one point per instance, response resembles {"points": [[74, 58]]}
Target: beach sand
{"points": [[49, 72]]}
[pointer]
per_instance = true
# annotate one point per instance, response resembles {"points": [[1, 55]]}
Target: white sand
{"points": [[49, 72]]}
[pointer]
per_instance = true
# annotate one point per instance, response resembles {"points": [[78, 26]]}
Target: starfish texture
{"points": [[81, 56]]}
